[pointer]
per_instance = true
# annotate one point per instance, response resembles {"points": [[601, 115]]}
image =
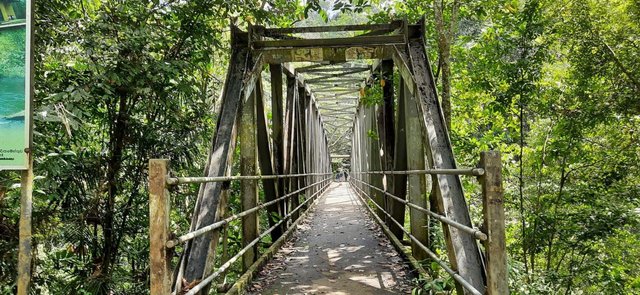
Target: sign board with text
{"points": [[15, 84]]}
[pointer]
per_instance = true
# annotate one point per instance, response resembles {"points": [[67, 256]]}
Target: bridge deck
{"points": [[339, 249]]}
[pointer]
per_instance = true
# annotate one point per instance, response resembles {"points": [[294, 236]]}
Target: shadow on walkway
{"points": [[339, 249]]}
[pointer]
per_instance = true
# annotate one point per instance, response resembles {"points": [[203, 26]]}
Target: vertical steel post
{"points": [[493, 209], [278, 129], [289, 139], [296, 145], [415, 161], [302, 146], [160, 277], [375, 164], [248, 166], [266, 161], [364, 149], [387, 134]]}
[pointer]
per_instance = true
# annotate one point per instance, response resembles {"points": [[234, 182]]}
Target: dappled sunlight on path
{"points": [[339, 249]]}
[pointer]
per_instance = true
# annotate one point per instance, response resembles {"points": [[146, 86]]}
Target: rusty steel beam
{"points": [[321, 29], [326, 54]]}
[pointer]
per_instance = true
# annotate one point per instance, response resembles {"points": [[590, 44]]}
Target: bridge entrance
{"points": [[369, 95]]}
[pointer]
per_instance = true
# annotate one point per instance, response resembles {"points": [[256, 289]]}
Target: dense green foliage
{"points": [[554, 86], [118, 82], [551, 84]]}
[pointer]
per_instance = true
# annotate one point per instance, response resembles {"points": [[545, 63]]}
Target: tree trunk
{"points": [[114, 165], [446, 35]]}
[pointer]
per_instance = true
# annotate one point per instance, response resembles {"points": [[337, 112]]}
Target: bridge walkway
{"points": [[338, 249]]}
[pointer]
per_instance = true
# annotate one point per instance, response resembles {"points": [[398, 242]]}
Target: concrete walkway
{"points": [[339, 249]]}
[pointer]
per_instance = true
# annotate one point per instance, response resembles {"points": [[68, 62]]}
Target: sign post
{"points": [[16, 92]]}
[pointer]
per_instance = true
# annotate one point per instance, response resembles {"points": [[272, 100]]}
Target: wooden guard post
{"points": [[493, 210], [159, 227]]}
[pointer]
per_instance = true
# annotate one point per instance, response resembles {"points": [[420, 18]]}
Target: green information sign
{"points": [[15, 83]]}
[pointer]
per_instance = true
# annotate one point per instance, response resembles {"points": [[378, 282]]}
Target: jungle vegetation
{"points": [[554, 85]]}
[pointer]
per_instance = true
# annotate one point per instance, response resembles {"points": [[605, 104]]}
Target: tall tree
{"points": [[446, 23]]}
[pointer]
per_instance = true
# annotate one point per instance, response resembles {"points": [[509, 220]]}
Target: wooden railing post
{"points": [[159, 227], [493, 209]]}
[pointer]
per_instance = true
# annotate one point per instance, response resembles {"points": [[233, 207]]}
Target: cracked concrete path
{"points": [[338, 249]]}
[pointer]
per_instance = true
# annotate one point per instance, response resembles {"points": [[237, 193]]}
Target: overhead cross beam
{"points": [[329, 108], [321, 29], [337, 42], [329, 53], [348, 85], [334, 69], [319, 76], [337, 87], [338, 100], [325, 80]]}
